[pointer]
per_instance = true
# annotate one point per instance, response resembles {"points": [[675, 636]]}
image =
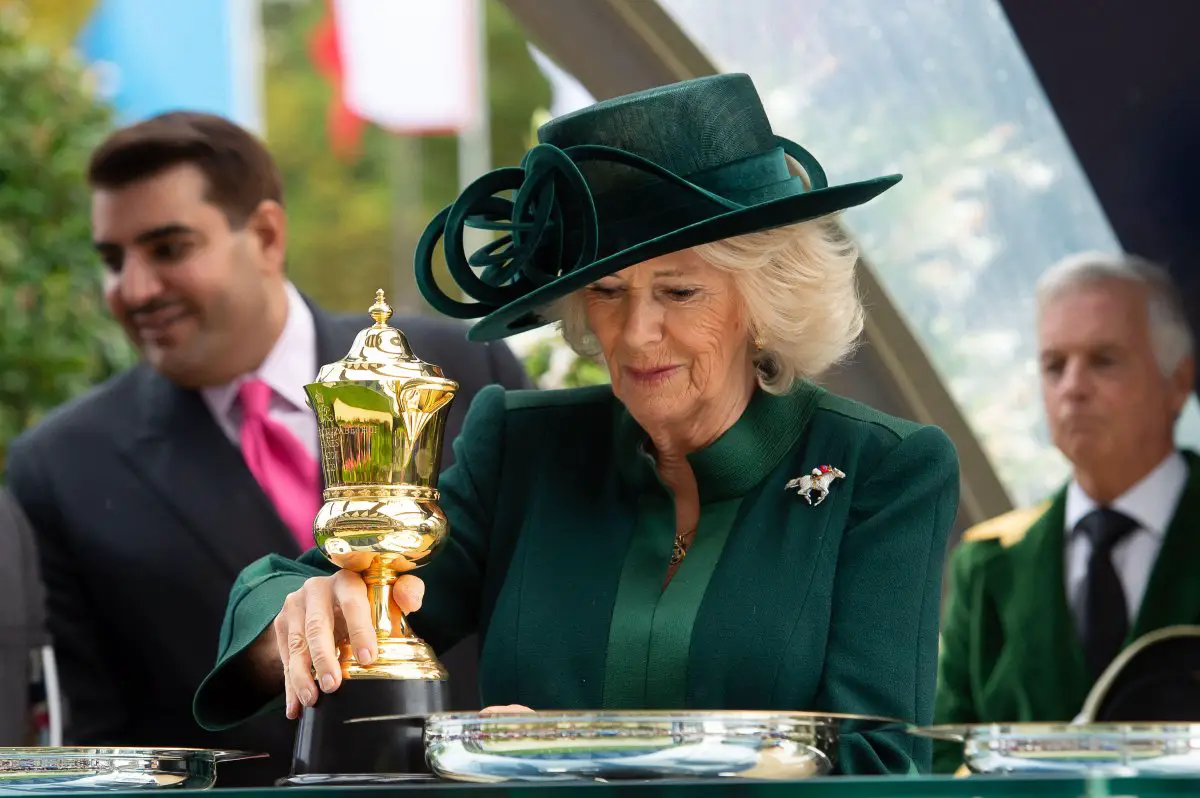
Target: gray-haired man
{"points": [[1041, 600]]}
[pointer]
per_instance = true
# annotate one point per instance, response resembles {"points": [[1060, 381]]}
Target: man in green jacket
{"points": [[1041, 600]]}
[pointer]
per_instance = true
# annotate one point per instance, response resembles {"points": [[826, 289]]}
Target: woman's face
{"points": [[674, 338]]}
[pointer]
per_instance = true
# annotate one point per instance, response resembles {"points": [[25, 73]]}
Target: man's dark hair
{"points": [[239, 170]]}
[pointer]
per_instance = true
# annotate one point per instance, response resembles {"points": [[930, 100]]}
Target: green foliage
{"points": [[56, 337], [354, 223], [585, 372], [551, 364]]}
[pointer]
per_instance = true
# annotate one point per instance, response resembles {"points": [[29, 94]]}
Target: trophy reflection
{"points": [[381, 414]]}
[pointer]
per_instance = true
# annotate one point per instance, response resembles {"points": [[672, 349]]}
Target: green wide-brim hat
{"points": [[618, 183]]}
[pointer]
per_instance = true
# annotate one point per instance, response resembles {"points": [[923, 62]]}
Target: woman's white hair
{"points": [[798, 290], [1170, 333]]}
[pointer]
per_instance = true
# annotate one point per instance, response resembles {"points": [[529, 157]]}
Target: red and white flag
{"points": [[408, 66]]}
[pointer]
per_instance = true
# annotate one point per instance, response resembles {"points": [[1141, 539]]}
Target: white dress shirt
{"points": [[290, 365], [1151, 503]]}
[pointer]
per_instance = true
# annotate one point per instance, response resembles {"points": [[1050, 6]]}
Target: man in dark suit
{"points": [[153, 491], [1042, 600]]}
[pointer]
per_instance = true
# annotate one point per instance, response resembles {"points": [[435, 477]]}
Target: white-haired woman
{"points": [[710, 531]]}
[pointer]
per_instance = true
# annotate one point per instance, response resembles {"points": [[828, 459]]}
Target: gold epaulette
{"points": [[1008, 528]]}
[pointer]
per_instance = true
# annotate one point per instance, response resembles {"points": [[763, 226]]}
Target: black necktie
{"points": [[1105, 614]]}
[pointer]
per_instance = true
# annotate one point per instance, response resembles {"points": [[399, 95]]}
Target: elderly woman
{"points": [[653, 543]]}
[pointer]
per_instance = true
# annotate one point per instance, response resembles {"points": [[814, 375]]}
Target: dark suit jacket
{"points": [[146, 513], [1010, 652], [22, 620]]}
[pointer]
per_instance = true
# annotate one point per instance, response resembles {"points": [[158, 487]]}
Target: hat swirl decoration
{"points": [[618, 183]]}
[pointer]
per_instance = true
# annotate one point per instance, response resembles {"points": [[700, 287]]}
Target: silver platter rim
{"points": [[122, 752], [681, 744], [960, 732], [644, 715]]}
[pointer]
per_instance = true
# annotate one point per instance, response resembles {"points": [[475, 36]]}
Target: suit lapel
{"points": [[185, 457], [1173, 593], [1040, 624], [188, 461]]}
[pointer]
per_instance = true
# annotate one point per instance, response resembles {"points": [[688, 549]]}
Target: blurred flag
{"points": [[408, 66], [151, 56]]}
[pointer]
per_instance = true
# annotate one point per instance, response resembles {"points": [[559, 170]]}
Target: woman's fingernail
{"points": [[364, 656], [306, 697], [327, 683]]}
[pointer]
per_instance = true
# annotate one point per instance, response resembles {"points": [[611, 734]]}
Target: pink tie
{"points": [[284, 470]]}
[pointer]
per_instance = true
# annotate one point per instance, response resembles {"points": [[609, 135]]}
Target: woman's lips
{"points": [[647, 376]]}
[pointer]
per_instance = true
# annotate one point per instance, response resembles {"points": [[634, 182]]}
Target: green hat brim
{"points": [[521, 315]]}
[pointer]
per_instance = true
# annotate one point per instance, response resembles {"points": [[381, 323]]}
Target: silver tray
{"points": [[638, 744], [104, 769], [1110, 749]]}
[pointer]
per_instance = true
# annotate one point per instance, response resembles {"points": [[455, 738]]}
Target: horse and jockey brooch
{"points": [[816, 482]]}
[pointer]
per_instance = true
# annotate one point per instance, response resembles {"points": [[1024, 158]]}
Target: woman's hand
{"points": [[506, 709], [323, 612]]}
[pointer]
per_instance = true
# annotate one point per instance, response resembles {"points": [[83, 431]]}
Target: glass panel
{"points": [[992, 194]]}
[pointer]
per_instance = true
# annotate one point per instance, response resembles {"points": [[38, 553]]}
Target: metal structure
{"points": [[1122, 86]]}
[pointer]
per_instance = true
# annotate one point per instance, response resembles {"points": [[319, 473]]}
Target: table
{"points": [[834, 787]]}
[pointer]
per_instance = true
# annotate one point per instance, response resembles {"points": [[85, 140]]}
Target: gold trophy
{"points": [[381, 413]]}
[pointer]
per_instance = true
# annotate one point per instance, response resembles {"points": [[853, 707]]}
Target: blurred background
{"points": [[379, 112]]}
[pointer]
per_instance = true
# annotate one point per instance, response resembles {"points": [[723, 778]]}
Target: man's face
{"points": [[191, 292], [1105, 395]]}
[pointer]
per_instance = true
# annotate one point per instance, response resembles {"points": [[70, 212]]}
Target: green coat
{"points": [[1010, 651], [560, 537]]}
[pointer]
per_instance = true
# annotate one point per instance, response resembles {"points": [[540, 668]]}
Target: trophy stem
{"points": [[385, 615], [402, 655]]}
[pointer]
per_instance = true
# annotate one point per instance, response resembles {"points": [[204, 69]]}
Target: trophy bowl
{"points": [[82, 769], [623, 745], [1098, 749], [399, 534], [639, 745]]}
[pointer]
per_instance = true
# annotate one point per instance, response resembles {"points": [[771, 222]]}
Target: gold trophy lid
{"points": [[380, 353]]}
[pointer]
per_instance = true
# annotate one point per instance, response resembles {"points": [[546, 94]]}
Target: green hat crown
{"points": [[625, 176]]}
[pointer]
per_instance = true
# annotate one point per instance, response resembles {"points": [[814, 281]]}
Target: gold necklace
{"points": [[680, 549]]}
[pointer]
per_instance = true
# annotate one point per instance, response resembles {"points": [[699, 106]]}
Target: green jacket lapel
{"points": [[1173, 593], [1055, 671]]}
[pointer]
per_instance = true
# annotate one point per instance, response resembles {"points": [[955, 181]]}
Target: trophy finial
{"points": [[381, 311]]}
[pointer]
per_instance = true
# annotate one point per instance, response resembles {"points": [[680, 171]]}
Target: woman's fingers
{"points": [[506, 709], [280, 629], [298, 667], [307, 632], [408, 592], [350, 596], [318, 632]]}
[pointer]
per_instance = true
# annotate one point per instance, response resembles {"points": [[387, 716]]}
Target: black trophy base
{"points": [[330, 751]]}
